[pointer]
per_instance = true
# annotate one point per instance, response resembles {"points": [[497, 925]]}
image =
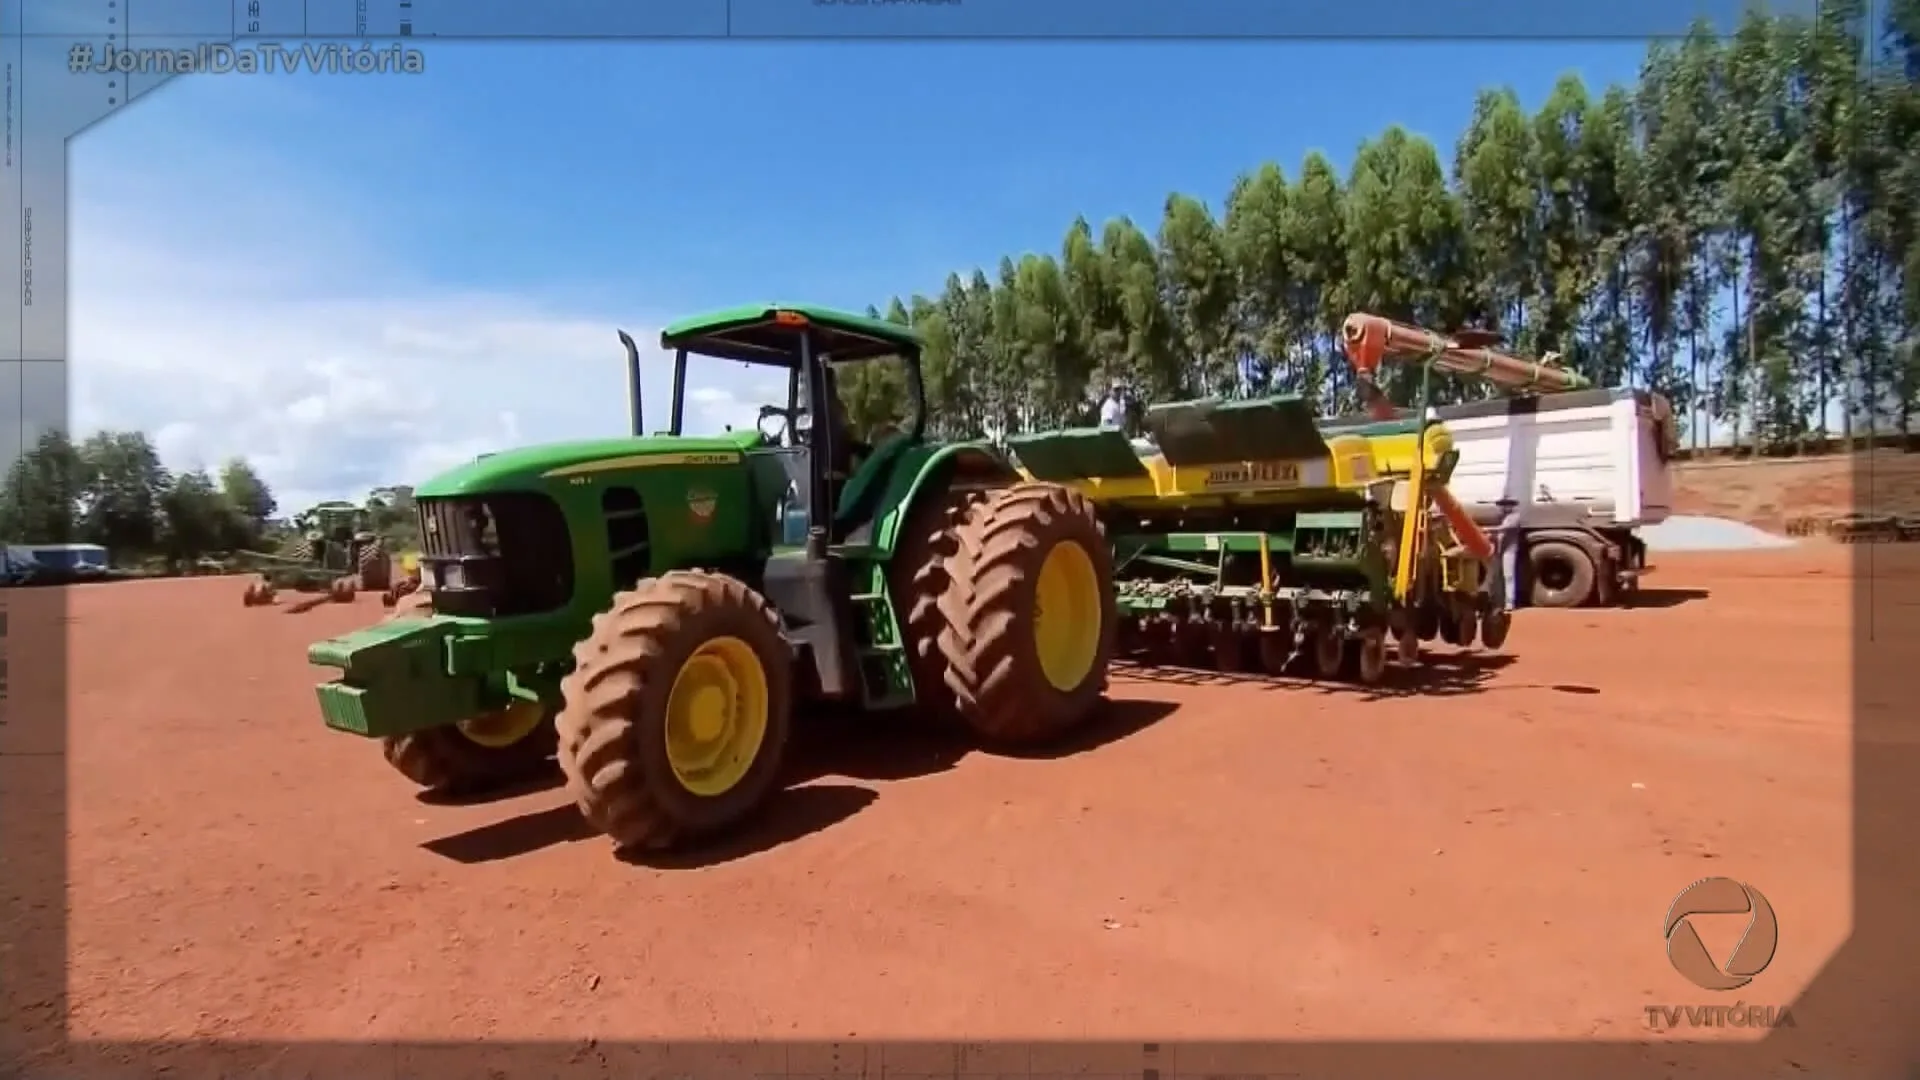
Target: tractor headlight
{"points": [[453, 576], [426, 575]]}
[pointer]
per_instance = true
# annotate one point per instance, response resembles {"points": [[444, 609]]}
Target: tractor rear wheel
{"points": [[918, 577], [374, 565], [477, 755], [1031, 617], [677, 710]]}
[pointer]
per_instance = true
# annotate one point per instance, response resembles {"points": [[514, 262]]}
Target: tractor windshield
{"points": [[867, 403]]}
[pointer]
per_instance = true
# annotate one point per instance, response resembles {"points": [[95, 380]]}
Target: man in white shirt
{"points": [[1112, 412]]}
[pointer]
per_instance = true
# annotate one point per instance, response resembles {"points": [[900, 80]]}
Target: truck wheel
{"points": [[1561, 574], [918, 578], [374, 566], [476, 755], [1031, 617], [677, 710]]}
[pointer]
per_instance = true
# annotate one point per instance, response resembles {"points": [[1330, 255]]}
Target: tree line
{"points": [[112, 489], [1736, 230]]}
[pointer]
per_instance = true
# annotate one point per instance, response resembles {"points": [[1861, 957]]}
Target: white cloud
{"points": [[306, 359]]}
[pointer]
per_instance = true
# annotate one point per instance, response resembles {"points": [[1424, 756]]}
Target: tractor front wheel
{"points": [[1031, 617], [474, 756], [677, 710]]}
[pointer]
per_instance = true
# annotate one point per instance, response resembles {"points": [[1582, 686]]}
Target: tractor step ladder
{"points": [[885, 681]]}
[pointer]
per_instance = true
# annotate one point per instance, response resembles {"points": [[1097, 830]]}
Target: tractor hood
{"points": [[533, 467]]}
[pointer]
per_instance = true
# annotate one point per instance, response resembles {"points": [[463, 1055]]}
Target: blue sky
{"points": [[360, 278]]}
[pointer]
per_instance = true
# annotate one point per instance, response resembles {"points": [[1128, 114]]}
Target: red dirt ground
{"points": [[1226, 861]]}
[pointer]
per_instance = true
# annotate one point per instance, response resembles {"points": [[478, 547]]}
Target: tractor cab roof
{"points": [[770, 334]]}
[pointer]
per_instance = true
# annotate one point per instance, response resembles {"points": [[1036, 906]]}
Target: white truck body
{"points": [[1604, 451], [1585, 468]]}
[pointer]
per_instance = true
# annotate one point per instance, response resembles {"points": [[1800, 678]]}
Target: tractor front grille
{"points": [[496, 555]]}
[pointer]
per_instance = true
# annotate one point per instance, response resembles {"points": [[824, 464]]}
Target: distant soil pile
{"points": [[1800, 496]]}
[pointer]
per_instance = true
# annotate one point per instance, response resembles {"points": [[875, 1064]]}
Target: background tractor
{"points": [[335, 553], [652, 609]]}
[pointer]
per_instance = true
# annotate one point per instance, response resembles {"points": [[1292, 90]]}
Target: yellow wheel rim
{"points": [[504, 727], [1066, 616], [716, 716]]}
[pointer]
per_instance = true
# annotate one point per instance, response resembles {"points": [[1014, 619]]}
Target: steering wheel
{"points": [[773, 412]]}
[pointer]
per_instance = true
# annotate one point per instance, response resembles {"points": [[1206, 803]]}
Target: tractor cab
{"points": [[820, 483], [817, 486], [335, 522]]}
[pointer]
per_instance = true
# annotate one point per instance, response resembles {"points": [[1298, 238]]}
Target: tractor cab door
{"points": [[812, 594], [788, 438], [811, 589], [781, 472], [780, 487]]}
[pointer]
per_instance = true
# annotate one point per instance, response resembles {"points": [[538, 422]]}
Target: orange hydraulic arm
{"points": [[1372, 341]]}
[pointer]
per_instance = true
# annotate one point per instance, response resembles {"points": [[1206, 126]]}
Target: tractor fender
{"points": [[972, 462]]}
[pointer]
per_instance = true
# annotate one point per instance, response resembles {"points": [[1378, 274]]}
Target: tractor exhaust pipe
{"points": [[633, 383]]}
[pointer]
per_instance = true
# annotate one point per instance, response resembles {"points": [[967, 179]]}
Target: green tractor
{"points": [[652, 610], [334, 553]]}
